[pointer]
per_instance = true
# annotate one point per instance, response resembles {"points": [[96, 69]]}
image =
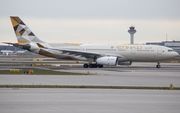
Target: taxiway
{"points": [[88, 101], [123, 76]]}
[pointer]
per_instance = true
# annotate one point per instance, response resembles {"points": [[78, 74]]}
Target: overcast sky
{"points": [[93, 21]]}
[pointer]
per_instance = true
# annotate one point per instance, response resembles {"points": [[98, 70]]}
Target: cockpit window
{"points": [[170, 50]]}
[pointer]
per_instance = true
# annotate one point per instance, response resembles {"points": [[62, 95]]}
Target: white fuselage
{"points": [[129, 52]]}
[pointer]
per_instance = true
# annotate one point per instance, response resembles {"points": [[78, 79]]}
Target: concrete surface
{"points": [[132, 76], [88, 101]]}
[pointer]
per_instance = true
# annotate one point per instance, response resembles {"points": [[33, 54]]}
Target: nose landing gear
{"points": [[158, 65]]}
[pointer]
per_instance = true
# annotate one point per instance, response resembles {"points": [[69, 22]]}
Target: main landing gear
{"points": [[158, 65], [92, 66]]}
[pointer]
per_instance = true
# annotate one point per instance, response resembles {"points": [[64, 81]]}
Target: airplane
{"points": [[10, 52], [97, 55], [7, 52], [20, 51]]}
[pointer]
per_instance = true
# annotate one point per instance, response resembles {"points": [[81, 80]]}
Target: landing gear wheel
{"points": [[100, 66], [158, 66], [85, 66], [93, 66]]}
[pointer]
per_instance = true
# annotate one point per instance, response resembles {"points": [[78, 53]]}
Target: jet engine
{"points": [[110, 61], [125, 63]]}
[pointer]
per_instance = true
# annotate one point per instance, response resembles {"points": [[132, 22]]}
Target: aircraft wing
{"points": [[10, 43], [14, 44], [86, 54], [26, 46]]}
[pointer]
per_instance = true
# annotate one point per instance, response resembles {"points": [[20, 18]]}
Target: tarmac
{"points": [[138, 75], [46, 100]]}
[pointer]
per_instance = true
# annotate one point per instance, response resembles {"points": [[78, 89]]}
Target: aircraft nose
{"points": [[176, 54]]}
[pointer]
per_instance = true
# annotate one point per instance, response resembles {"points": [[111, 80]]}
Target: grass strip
{"points": [[40, 72], [91, 87]]}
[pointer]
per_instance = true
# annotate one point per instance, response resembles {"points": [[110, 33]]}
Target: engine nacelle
{"points": [[109, 61], [125, 63]]}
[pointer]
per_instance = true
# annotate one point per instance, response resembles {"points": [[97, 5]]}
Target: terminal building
{"points": [[175, 45]]}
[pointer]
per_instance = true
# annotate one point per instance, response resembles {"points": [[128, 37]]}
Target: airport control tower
{"points": [[132, 31]]}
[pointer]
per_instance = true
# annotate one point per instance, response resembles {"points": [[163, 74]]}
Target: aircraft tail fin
{"points": [[23, 33]]}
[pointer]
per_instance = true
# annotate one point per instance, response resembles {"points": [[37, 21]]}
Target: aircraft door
{"points": [[133, 51], [159, 50], [80, 48]]}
